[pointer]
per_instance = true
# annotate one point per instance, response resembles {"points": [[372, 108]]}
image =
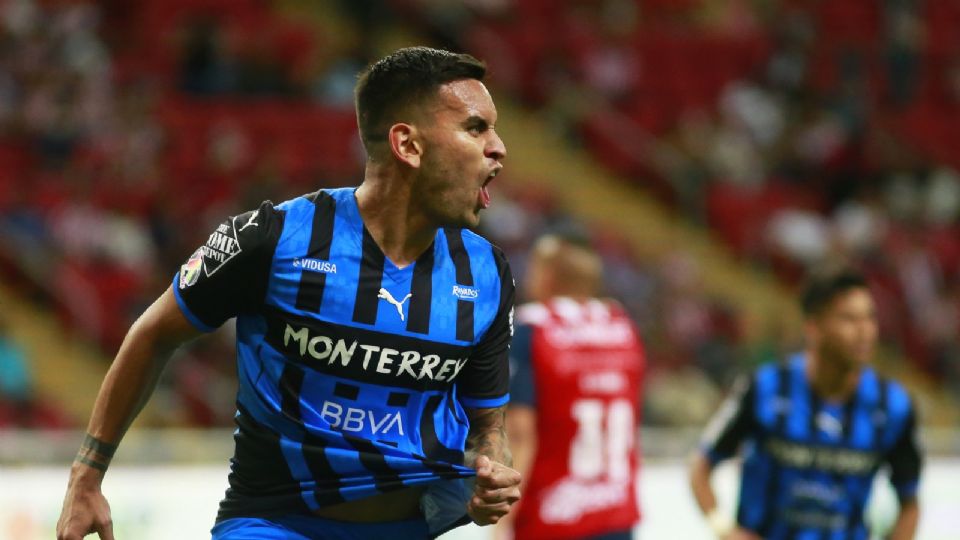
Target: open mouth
{"points": [[484, 193]]}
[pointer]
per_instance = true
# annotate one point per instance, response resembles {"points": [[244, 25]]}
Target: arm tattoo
{"points": [[488, 436], [95, 453]]}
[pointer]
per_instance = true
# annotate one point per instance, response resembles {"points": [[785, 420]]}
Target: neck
{"points": [[394, 220], [831, 378]]}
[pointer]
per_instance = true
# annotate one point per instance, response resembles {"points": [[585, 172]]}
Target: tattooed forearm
{"points": [[95, 453], [488, 436]]}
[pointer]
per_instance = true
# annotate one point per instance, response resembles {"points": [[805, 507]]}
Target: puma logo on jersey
{"points": [[385, 295], [829, 424], [250, 222]]}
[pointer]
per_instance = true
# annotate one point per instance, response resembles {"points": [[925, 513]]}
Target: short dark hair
{"points": [[405, 77], [825, 284]]}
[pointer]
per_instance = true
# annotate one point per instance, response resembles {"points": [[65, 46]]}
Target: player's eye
{"points": [[476, 128]]}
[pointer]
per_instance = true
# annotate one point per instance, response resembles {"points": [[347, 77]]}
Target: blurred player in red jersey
{"points": [[577, 364]]}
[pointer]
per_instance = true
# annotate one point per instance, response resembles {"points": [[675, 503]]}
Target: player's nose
{"points": [[495, 149]]}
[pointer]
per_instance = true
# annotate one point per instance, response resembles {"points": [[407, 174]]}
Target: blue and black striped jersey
{"points": [[353, 373], [809, 464]]}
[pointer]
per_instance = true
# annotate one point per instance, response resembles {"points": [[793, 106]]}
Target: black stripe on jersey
{"points": [[813, 434], [291, 382], [464, 320], [327, 491], [780, 428], [461, 262], [310, 293], [260, 479], [461, 259], [368, 284], [432, 447], [346, 391], [846, 418], [398, 399], [881, 409], [421, 286], [384, 477]]}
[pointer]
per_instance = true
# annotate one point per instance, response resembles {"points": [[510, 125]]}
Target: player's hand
{"points": [[496, 488], [85, 511], [739, 533]]}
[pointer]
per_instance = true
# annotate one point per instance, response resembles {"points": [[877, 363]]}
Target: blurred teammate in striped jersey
{"points": [[815, 429]]}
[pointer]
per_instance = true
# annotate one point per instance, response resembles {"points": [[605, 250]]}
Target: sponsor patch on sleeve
{"points": [[222, 246], [190, 270]]}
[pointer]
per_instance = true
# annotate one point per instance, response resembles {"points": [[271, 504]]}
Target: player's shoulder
{"points": [[473, 241], [250, 229], [896, 395], [770, 374], [315, 198], [298, 212]]}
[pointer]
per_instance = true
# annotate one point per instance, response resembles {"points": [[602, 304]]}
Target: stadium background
{"points": [[714, 148]]}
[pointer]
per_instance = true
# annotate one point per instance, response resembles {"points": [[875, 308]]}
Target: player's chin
{"points": [[469, 219]]}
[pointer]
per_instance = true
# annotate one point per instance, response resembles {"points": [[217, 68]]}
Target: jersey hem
{"points": [[485, 403]]}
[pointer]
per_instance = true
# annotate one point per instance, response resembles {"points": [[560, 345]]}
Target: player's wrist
{"points": [[85, 478], [719, 522], [91, 462]]}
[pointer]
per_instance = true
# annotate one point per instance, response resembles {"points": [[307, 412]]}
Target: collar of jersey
{"points": [[390, 270]]}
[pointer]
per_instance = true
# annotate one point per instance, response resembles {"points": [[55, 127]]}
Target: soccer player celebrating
{"points": [[372, 333], [575, 401], [817, 428]]}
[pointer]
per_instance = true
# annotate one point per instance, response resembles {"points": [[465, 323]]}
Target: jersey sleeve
{"points": [[733, 422], [227, 276], [486, 378], [905, 460], [522, 390]]}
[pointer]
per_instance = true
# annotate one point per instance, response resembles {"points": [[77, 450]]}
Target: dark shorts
{"points": [[309, 528]]}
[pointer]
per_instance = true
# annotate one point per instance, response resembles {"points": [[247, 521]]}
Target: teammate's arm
{"points": [[905, 464], [126, 388], [731, 425], [905, 527], [497, 485]]}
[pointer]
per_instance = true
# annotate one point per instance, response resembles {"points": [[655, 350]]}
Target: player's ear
{"points": [[405, 144]]}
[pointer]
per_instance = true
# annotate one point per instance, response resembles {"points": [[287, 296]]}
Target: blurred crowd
{"points": [[120, 150], [797, 131]]}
